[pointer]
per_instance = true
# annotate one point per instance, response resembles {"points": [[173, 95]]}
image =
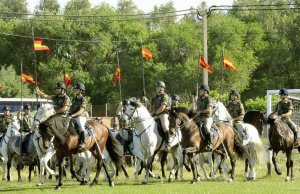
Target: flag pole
{"points": [[35, 65], [118, 66], [21, 107], [222, 74], [143, 70]]}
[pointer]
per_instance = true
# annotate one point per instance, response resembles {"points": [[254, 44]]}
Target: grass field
{"points": [[263, 183]]}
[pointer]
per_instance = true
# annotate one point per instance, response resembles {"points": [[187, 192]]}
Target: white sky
{"points": [[145, 5]]}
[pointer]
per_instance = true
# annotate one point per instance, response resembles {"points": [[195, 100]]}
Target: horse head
{"points": [[272, 117], [133, 112], [42, 114], [175, 120], [13, 128], [220, 112]]}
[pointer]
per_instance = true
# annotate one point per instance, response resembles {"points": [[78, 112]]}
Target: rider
{"points": [[61, 100], [159, 105], [175, 101], [78, 107], [284, 109], [236, 110], [5, 119], [204, 112], [26, 119]]}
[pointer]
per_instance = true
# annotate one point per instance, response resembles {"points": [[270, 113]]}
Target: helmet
{"points": [[60, 85], [161, 84], [79, 86], [125, 102], [204, 87], [283, 91], [175, 97], [27, 107], [5, 108], [234, 92]]}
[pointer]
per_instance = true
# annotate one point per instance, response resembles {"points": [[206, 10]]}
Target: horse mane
{"points": [[189, 112], [135, 104]]}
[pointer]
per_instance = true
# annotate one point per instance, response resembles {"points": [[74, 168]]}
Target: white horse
{"points": [[12, 130], [148, 137], [254, 147], [44, 156], [85, 160]]}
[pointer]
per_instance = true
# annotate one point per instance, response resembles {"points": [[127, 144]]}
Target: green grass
{"points": [[263, 184]]}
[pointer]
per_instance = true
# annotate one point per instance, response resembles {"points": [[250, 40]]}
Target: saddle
{"points": [[215, 132]]}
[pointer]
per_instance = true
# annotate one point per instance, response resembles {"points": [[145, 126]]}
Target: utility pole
{"points": [[204, 29]]}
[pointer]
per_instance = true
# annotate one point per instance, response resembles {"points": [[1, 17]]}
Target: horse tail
{"points": [[261, 152], [114, 151]]}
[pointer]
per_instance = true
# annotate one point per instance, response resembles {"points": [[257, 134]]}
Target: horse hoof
{"points": [[3, 179], [144, 183], [170, 180], [158, 177], [287, 179], [58, 187], [229, 180], [112, 184]]}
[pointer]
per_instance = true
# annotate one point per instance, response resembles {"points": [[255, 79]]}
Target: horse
{"points": [[255, 118], [149, 137], [44, 156], [281, 139], [14, 149], [12, 130], [66, 142], [251, 147], [193, 141]]}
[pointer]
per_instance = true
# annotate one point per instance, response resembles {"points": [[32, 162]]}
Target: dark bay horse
{"points": [[255, 118], [66, 143], [281, 138], [193, 142]]}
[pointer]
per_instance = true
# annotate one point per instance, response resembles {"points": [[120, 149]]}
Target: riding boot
{"points": [[167, 139], [296, 143], [209, 144], [82, 139]]}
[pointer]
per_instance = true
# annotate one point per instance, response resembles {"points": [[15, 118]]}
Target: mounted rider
{"points": [[237, 112], [159, 105], [204, 112], [77, 111], [61, 100], [284, 110], [175, 101], [26, 118], [5, 119]]}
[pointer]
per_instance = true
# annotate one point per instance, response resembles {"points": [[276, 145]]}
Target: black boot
{"points": [[167, 139], [296, 143], [82, 140], [209, 144]]}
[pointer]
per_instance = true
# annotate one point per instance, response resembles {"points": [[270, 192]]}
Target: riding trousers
{"points": [[291, 124], [207, 123], [164, 119], [238, 125], [80, 120]]}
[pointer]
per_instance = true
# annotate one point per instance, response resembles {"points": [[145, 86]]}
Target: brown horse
{"points": [[66, 144], [281, 138], [193, 141], [255, 118]]}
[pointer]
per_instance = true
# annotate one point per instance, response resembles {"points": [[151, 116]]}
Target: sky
{"points": [[145, 5]]}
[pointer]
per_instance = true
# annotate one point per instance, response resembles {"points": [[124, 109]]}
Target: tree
{"points": [[50, 6], [127, 7], [12, 84], [77, 7], [157, 21], [15, 6]]}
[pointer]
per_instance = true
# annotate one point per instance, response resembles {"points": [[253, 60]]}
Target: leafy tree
{"points": [[50, 6], [14, 6], [77, 7], [127, 7]]}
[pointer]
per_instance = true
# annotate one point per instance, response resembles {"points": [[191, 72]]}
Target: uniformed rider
{"points": [[61, 100], [175, 101], [204, 112], [78, 107], [25, 117], [284, 109], [159, 106], [5, 119], [237, 112]]}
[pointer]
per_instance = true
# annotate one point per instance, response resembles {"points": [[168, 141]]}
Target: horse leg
{"points": [[232, 162], [193, 167], [72, 169], [163, 162], [31, 168], [289, 165], [246, 167], [125, 172], [277, 170], [175, 166], [60, 170], [19, 171], [42, 172], [137, 169], [4, 166]]}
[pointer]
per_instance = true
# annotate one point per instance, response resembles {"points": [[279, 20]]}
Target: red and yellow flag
{"points": [[27, 78], [37, 45], [117, 75], [204, 65], [67, 80], [147, 54], [228, 63]]}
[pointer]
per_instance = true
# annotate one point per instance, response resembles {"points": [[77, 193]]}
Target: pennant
{"points": [[37, 45], [27, 78], [1, 86], [228, 63], [147, 54], [117, 75], [67, 80], [204, 65]]}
